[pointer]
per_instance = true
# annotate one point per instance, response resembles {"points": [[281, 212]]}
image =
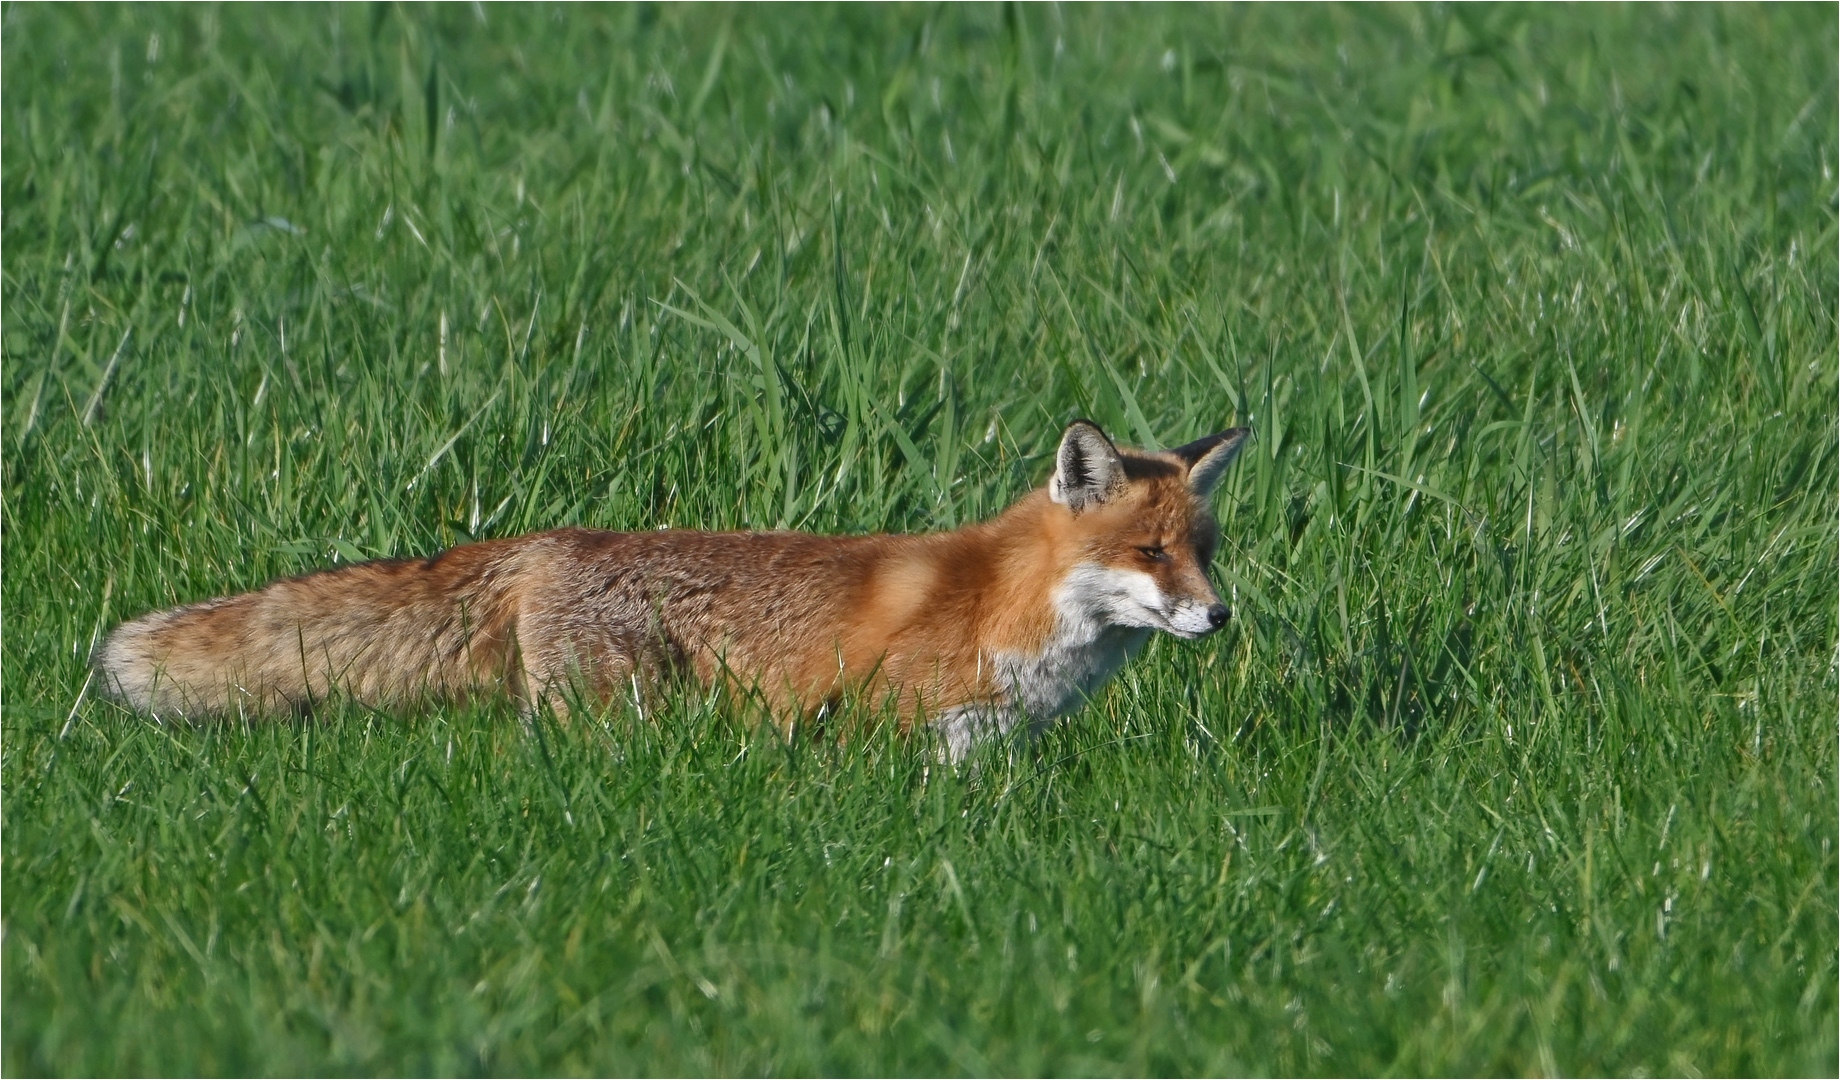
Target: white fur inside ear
{"points": [[1206, 473], [1087, 468]]}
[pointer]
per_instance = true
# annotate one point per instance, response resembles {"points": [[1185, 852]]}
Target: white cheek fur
{"points": [[1109, 596]]}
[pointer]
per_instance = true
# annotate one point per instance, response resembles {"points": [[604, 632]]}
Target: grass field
{"points": [[1519, 756]]}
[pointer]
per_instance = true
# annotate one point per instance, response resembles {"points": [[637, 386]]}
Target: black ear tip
{"points": [[1086, 437], [1207, 444]]}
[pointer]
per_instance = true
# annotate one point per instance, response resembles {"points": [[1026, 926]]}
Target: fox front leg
{"points": [[964, 726]]}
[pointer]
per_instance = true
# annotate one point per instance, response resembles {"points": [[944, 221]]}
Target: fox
{"points": [[1010, 623]]}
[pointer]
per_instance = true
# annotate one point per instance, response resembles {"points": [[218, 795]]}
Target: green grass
{"points": [[1518, 758]]}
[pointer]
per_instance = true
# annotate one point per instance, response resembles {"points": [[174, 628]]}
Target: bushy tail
{"points": [[165, 661], [374, 632]]}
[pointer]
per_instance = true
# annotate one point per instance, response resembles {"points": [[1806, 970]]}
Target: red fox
{"points": [[1013, 620]]}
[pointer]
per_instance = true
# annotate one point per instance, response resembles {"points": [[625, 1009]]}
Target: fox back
{"points": [[974, 631]]}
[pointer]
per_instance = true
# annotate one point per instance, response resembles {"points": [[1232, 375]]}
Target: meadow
{"points": [[1519, 755]]}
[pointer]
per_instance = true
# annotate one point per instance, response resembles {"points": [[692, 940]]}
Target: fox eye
{"points": [[1153, 552]]}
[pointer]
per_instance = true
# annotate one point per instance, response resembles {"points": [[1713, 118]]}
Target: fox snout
{"points": [[1185, 596], [1197, 617]]}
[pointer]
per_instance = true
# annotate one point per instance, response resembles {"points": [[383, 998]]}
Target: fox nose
{"points": [[1217, 615]]}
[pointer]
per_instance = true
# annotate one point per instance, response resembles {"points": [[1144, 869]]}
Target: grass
{"points": [[1519, 756]]}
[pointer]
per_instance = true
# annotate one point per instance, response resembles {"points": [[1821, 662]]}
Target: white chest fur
{"points": [[1072, 666], [1093, 636]]}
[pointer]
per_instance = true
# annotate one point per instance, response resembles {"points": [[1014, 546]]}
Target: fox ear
{"points": [[1209, 457], [1087, 468]]}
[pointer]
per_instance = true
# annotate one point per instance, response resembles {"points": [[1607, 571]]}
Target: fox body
{"points": [[1013, 620]]}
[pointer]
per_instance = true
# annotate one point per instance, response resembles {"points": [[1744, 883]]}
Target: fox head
{"points": [[1142, 529]]}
